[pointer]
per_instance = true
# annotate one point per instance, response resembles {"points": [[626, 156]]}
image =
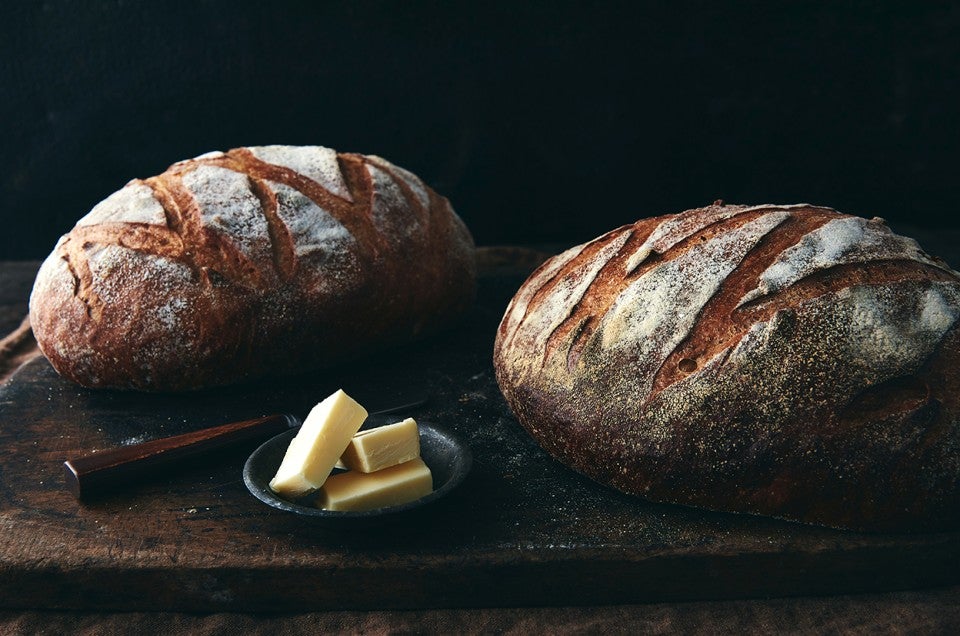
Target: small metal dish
{"points": [[447, 456]]}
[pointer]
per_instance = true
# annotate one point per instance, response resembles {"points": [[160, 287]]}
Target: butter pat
{"points": [[367, 491], [323, 437], [382, 447]]}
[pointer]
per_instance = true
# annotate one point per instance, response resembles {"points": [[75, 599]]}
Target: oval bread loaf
{"points": [[256, 261], [778, 360]]}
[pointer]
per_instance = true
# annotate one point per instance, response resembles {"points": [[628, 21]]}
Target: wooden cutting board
{"points": [[521, 530]]}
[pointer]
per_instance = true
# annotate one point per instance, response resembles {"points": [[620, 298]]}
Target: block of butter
{"points": [[366, 491], [382, 447], [318, 445]]}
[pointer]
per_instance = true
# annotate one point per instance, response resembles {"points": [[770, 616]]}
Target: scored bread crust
{"points": [[256, 261], [789, 361]]}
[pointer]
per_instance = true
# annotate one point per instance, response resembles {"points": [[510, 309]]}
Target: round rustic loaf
{"points": [[256, 261], [777, 360]]}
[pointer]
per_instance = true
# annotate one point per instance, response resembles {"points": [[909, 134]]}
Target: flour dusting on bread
{"points": [[254, 261], [133, 203], [314, 162], [780, 360]]}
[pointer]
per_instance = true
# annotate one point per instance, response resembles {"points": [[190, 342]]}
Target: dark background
{"points": [[542, 122]]}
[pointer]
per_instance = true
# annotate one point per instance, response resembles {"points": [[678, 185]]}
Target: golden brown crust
{"points": [[251, 262], [779, 360]]}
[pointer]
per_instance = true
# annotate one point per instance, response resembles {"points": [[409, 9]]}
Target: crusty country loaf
{"points": [[779, 360], [256, 261]]}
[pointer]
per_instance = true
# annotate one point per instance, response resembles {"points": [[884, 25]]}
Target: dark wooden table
{"points": [[626, 593]]}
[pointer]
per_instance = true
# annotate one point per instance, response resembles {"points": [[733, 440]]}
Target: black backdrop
{"points": [[542, 122]]}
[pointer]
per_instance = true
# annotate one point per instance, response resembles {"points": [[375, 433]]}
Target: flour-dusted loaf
{"points": [[778, 360], [257, 261]]}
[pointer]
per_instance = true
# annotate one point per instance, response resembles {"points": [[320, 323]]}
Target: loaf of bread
{"points": [[258, 261], [788, 361]]}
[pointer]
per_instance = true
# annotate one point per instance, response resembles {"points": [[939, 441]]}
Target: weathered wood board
{"points": [[521, 530]]}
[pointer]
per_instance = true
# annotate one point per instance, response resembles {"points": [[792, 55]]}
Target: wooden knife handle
{"points": [[102, 471]]}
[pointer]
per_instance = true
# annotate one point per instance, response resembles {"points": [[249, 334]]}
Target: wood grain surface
{"points": [[521, 531]]}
